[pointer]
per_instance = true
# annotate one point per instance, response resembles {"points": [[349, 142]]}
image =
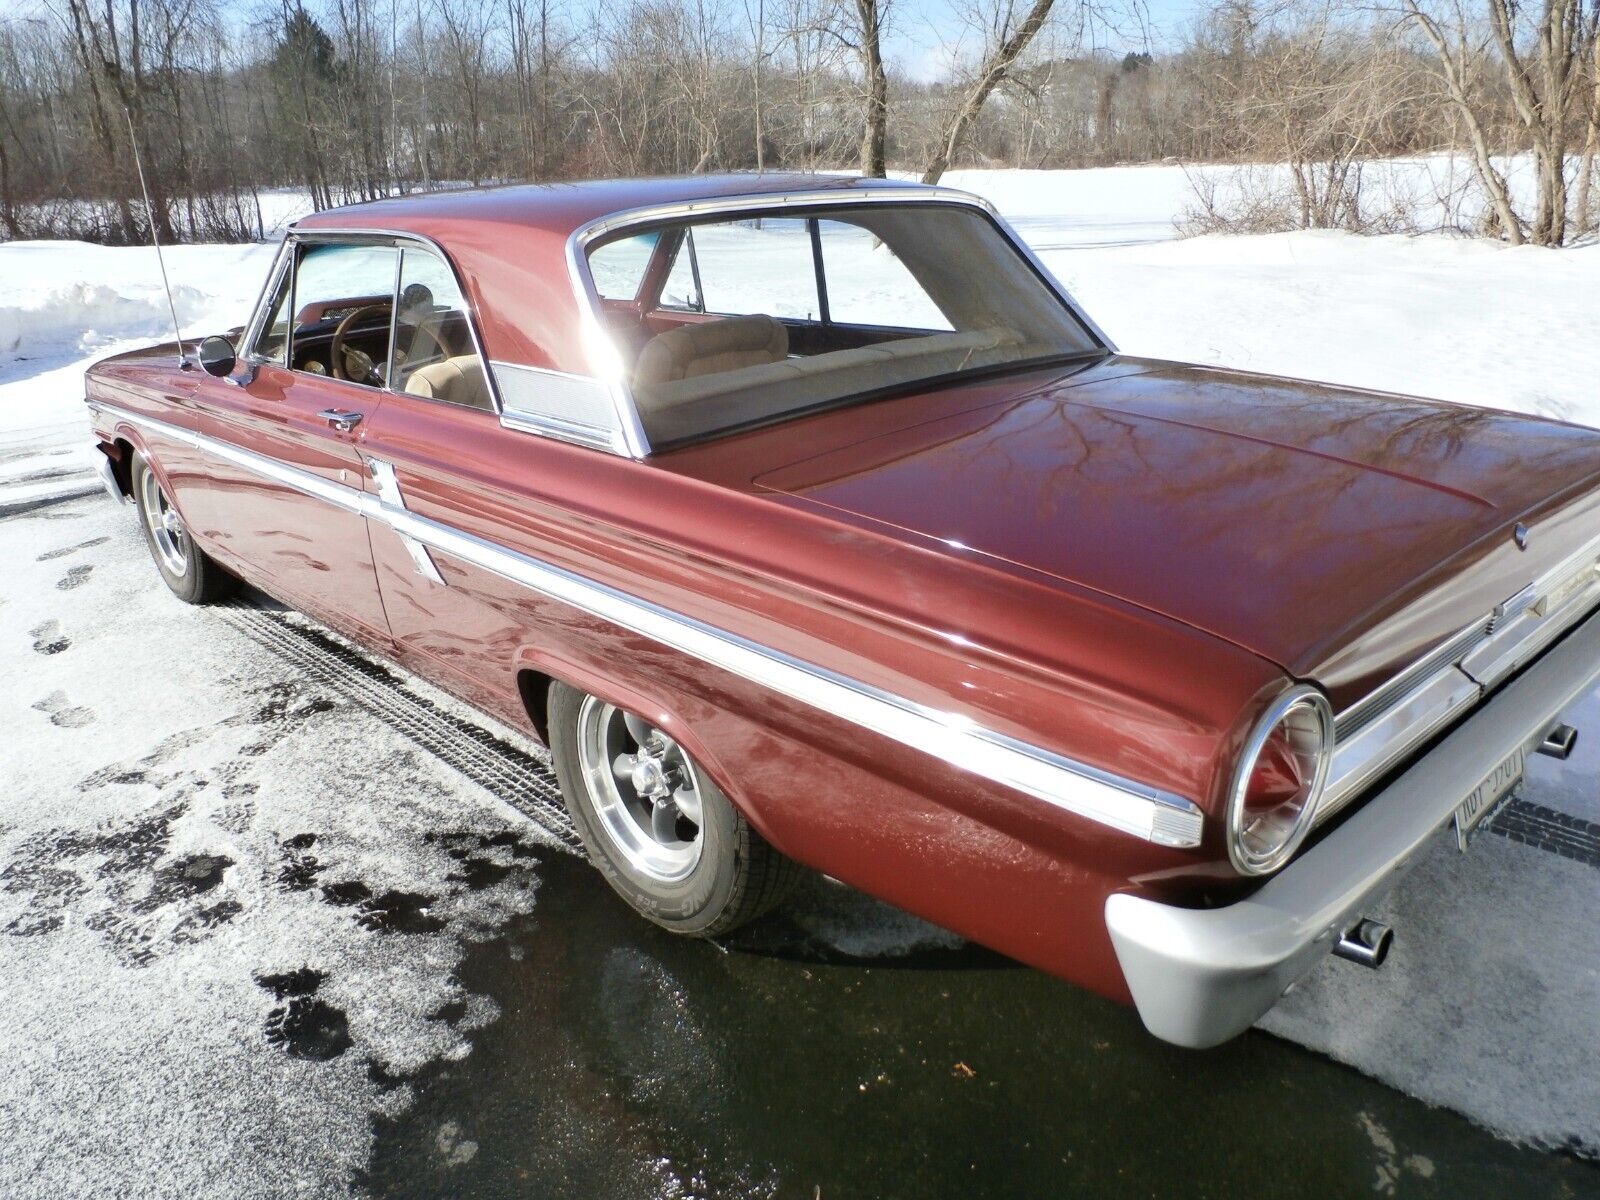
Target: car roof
{"points": [[562, 208]]}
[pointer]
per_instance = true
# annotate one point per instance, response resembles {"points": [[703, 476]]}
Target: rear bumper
{"points": [[1202, 976]]}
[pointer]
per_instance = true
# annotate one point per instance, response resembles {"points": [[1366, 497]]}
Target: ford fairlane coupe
{"points": [[810, 521]]}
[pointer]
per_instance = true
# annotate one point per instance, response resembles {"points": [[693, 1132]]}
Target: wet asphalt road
{"points": [[625, 1057]]}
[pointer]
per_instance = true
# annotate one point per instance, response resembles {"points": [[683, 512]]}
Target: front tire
{"points": [[191, 574], [655, 825]]}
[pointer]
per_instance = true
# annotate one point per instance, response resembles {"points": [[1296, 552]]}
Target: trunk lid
{"points": [[1334, 532]]}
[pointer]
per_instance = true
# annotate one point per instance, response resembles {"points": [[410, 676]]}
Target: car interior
{"points": [[348, 337], [810, 311]]}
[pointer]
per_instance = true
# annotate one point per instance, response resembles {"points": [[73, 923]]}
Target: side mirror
{"points": [[217, 356]]}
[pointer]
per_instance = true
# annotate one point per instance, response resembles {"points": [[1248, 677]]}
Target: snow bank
{"points": [[63, 296], [1452, 318]]}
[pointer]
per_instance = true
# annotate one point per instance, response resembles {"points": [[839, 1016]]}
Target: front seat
{"points": [[456, 380], [710, 347]]}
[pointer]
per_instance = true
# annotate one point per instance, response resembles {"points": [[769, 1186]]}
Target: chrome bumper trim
{"points": [[1064, 783], [1202, 976]]}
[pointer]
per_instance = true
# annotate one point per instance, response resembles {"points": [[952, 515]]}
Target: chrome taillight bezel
{"points": [[1297, 699]]}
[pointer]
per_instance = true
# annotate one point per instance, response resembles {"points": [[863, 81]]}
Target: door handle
{"points": [[342, 419]]}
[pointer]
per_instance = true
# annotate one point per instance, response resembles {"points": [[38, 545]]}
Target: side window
{"points": [[618, 267], [434, 355], [343, 305], [273, 340], [755, 266], [869, 285]]}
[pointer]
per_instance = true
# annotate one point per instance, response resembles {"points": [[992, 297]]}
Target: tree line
{"points": [[356, 99]]}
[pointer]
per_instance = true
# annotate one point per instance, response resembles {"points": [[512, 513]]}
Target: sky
{"points": [[924, 34]]}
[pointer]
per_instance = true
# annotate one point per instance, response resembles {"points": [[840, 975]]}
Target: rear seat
{"points": [[683, 408]]}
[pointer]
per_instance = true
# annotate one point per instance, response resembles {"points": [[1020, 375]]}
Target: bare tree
{"points": [[1539, 58], [867, 41], [1008, 35]]}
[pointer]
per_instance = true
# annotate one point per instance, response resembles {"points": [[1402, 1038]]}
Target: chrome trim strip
{"points": [[562, 431], [1420, 672], [1387, 738], [389, 492], [1528, 633], [603, 357], [1074, 787]]}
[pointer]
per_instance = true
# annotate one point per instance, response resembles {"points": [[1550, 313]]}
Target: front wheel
{"points": [[188, 570], [661, 832]]}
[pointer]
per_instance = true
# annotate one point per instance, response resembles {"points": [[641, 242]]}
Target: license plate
{"points": [[1485, 799]]}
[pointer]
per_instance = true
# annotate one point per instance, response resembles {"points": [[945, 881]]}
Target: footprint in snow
{"points": [[47, 638], [67, 716], [304, 1026], [75, 577], [48, 555], [300, 867]]}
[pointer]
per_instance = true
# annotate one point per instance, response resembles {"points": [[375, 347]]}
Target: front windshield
{"points": [[740, 322]]}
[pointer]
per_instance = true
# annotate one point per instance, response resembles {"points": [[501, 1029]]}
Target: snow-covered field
{"points": [[150, 830]]}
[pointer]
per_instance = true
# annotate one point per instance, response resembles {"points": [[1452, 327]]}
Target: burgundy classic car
{"points": [[809, 521]]}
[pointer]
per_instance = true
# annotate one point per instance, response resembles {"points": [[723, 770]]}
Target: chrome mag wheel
{"points": [[644, 789], [167, 533]]}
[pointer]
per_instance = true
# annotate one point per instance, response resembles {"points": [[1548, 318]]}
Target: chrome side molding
{"points": [[389, 492], [1075, 787]]}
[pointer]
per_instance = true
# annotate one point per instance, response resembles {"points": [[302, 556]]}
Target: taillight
{"points": [[1279, 780]]}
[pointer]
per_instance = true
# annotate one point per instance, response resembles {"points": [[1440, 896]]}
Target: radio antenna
{"points": [[155, 239]]}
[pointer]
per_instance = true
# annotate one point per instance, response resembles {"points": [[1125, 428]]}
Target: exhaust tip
{"points": [[1367, 942], [1559, 742]]}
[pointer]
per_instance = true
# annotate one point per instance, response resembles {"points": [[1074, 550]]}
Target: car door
{"points": [[291, 509]]}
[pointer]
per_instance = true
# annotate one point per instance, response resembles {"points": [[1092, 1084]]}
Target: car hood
{"points": [[1336, 533]]}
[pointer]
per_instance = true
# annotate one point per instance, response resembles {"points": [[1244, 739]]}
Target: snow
{"points": [[166, 854], [67, 304]]}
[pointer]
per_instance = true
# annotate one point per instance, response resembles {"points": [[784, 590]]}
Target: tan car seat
{"points": [[711, 347]]}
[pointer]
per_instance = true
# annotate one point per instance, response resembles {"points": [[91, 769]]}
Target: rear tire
{"points": [[655, 825], [191, 574]]}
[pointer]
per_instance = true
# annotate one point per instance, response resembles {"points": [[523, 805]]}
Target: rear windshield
{"points": [[729, 323]]}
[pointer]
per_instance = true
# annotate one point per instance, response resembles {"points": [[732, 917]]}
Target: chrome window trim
{"points": [[630, 437], [1071, 786], [258, 315]]}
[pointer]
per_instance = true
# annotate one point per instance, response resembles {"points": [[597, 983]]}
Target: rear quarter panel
{"points": [[1076, 673]]}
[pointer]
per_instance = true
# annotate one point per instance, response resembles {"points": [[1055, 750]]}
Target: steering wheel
{"points": [[351, 364]]}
